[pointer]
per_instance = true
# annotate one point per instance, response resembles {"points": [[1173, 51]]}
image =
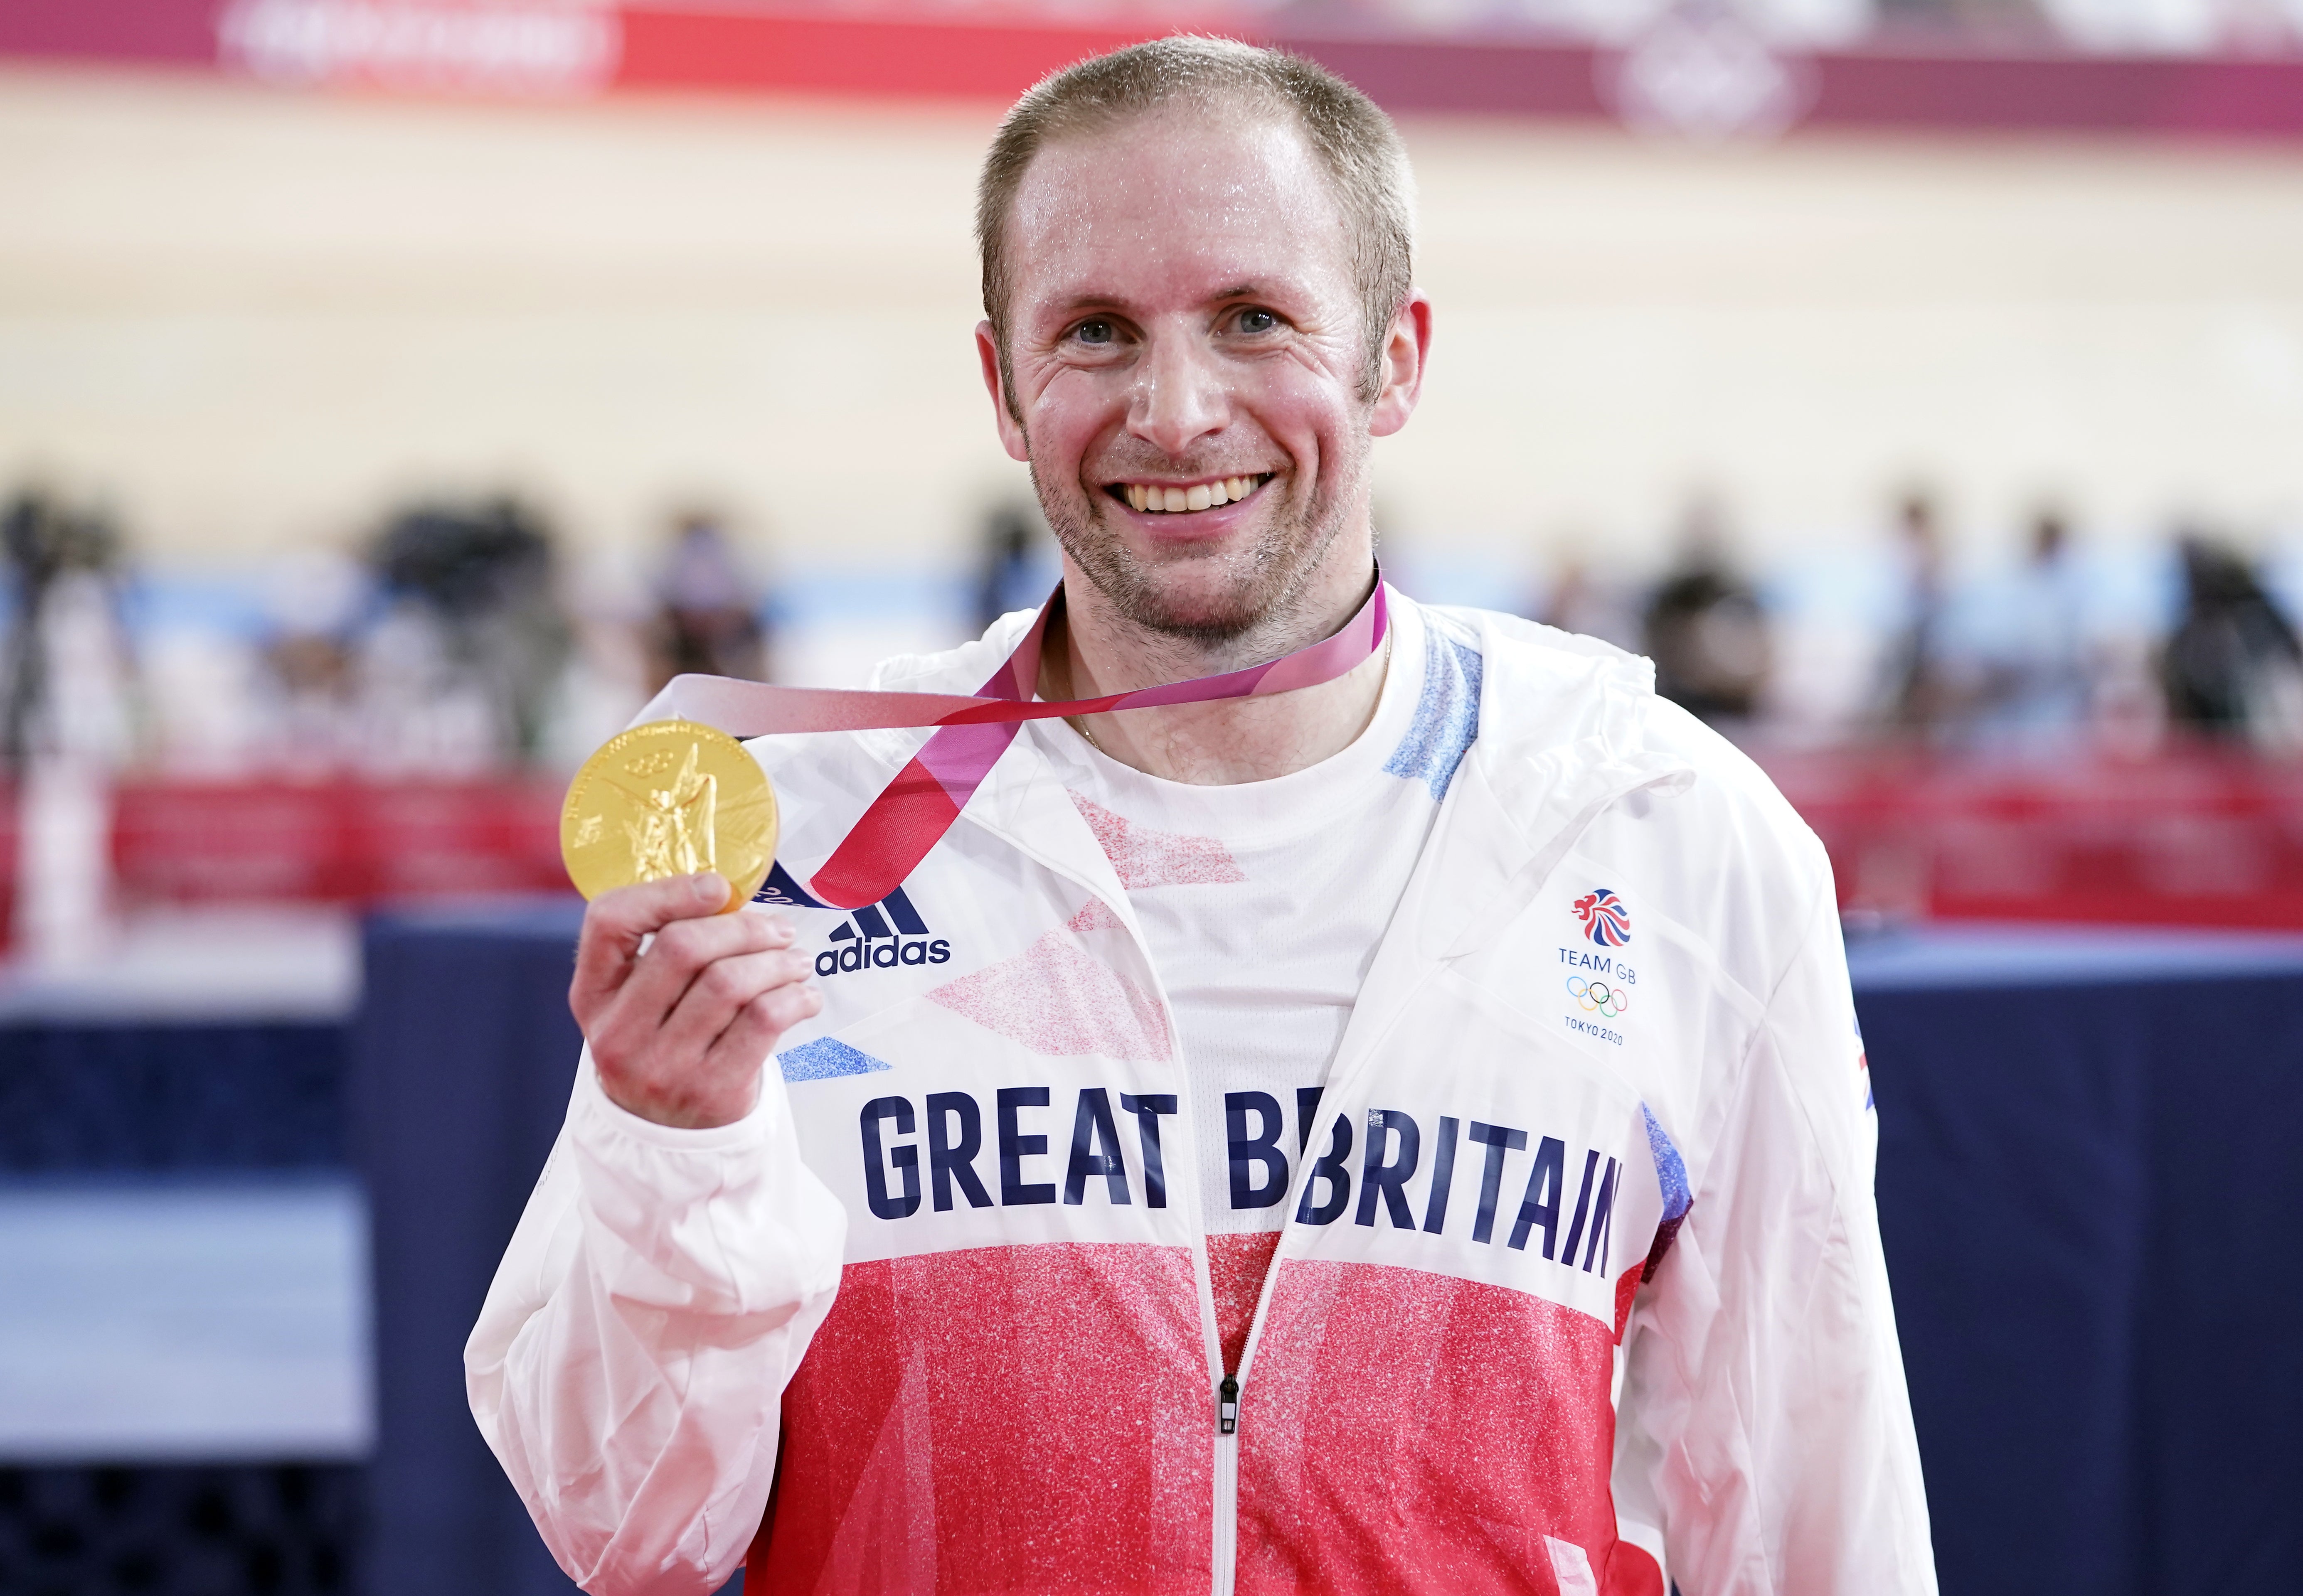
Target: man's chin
{"points": [[1207, 598], [1187, 619], [1205, 593]]}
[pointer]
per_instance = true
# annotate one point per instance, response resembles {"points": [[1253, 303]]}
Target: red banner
{"points": [[2204, 838], [1702, 78], [337, 841]]}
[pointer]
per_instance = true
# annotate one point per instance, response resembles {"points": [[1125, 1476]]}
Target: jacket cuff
{"points": [[600, 1125]]}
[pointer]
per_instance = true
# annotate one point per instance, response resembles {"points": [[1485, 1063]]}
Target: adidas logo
{"points": [[880, 936]]}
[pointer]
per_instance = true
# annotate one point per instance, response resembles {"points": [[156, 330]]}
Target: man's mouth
{"points": [[1172, 499]]}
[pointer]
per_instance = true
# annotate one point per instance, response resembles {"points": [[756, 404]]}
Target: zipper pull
{"points": [[1227, 1405]]}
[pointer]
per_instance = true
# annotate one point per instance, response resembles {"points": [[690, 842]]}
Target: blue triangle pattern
{"points": [[1671, 1170], [825, 1058], [1446, 715]]}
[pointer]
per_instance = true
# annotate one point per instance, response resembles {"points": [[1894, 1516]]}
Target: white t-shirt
{"points": [[1262, 903]]}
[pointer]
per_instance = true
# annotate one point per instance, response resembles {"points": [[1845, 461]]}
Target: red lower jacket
{"points": [[1570, 1293]]}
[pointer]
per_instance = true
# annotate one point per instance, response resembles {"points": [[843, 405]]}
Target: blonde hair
{"points": [[1354, 142]]}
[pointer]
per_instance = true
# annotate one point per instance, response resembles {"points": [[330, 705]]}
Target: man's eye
{"points": [[1094, 332], [1257, 321]]}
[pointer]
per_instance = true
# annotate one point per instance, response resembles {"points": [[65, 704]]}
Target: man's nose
{"points": [[1179, 396]]}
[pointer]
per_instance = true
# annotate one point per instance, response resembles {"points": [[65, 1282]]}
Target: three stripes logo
{"points": [[1606, 921], [882, 936]]}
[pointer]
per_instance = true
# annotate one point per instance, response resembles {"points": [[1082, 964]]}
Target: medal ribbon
{"points": [[972, 732]]}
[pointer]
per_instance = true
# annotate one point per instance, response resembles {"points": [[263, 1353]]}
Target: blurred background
{"points": [[395, 392]]}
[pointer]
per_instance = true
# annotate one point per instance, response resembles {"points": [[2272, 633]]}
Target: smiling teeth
{"points": [[1200, 496]]}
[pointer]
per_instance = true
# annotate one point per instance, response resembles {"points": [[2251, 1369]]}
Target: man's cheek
{"points": [[1056, 460]]}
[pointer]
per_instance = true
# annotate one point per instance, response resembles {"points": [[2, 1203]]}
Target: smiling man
{"points": [[1403, 1132]]}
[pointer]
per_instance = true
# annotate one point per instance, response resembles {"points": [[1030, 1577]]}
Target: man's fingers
{"points": [[653, 1018], [757, 1026], [617, 921], [721, 990], [683, 950]]}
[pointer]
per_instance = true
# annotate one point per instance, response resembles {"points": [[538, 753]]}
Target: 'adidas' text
{"points": [[877, 954]]}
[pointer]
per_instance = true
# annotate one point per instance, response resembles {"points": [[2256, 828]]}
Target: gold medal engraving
{"points": [[670, 798]]}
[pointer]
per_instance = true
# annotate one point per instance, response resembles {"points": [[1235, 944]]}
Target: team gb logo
{"points": [[1606, 920]]}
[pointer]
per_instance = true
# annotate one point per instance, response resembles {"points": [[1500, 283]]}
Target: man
{"points": [[1405, 1134]]}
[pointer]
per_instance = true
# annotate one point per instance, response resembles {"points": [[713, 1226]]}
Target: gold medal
{"points": [[670, 798]]}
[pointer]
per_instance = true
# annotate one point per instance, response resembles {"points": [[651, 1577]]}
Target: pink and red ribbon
{"points": [[926, 797]]}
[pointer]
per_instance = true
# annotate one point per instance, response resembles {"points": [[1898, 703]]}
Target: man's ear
{"points": [[1405, 353], [1011, 431]]}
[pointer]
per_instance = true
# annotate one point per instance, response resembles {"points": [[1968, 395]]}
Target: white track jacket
{"points": [[1581, 1291]]}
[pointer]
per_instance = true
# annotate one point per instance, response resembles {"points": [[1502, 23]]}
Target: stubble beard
{"points": [[1268, 591]]}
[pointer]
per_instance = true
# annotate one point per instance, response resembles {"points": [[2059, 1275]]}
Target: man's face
{"points": [[1187, 353]]}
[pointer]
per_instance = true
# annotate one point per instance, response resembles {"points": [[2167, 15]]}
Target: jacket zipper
{"points": [[1228, 1393], [1227, 1526], [1226, 1454]]}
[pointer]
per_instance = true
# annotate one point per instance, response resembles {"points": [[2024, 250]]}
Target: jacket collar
{"points": [[1562, 735], [1020, 801]]}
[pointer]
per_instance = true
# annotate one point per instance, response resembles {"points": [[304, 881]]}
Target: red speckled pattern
{"points": [[1627, 1287], [1000, 1419], [1057, 999], [1236, 1265], [1144, 857], [1631, 1572], [1406, 1432]]}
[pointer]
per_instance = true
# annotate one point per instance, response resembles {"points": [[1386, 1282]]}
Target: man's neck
{"points": [[1225, 741]]}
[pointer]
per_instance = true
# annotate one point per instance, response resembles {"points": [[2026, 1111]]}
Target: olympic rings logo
{"points": [[1596, 997]]}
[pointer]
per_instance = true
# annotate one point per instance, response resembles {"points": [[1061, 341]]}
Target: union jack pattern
{"points": [[1606, 920]]}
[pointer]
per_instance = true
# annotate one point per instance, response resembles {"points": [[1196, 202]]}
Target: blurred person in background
{"points": [[68, 661], [313, 667], [1577, 600], [317, 604], [614, 660], [1917, 678], [1704, 627], [2232, 668], [2037, 668], [1011, 575], [708, 608], [460, 671], [70, 720]]}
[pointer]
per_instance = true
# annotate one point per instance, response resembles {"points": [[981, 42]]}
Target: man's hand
{"points": [[678, 1033]]}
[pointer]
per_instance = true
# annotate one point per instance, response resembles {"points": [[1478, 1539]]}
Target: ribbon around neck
{"points": [[925, 799]]}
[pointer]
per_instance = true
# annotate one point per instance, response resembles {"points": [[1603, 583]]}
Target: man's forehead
{"points": [[1221, 199]]}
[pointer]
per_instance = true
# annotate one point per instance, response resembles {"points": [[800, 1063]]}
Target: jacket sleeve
{"points": [[1764, 1428], [628, 1366]]}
